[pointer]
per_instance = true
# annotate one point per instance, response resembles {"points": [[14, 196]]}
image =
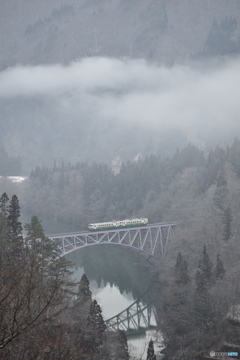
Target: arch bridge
{"points": [[151, 240]]}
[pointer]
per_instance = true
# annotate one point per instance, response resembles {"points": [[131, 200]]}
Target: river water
{"points": [[117, 277]]}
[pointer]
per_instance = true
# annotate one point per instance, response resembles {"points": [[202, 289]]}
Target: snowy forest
{"points": [[113, 110], [200, 270]]}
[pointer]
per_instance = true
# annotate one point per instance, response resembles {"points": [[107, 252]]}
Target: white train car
{"points": [[118, 224]]}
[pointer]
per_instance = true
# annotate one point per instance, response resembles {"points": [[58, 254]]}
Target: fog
{"points": [[200, 99], [135, 90]]}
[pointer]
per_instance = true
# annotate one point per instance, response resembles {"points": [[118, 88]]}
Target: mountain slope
{"points": [[62, 31]]}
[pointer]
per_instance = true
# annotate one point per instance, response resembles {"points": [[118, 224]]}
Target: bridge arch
{"points": [[150, 240]]}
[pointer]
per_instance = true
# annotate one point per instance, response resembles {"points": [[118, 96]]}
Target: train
{"points": [[118, 224]]}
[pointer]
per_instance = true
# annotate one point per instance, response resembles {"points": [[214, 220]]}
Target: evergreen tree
{"points": [[178, 262], [203, 309], [220, 39], [150, 351], [192, 156], [83, 290], [227, 220], [36, 239], [97, 328], [96, 322], [221, 180], [4, 229], [34, 229], [205, 265], [46, 251], [31, 304], [202, 301], [219, 271], [181, 270], [184, 277], [234, 156], [200, 279], [3, 204], [15, 226], [220, 194], [124, 344], [4, 245]]}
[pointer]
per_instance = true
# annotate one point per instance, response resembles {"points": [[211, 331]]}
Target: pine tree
{"points": [[83, 289], [3, 205], [221, 181], [178, 262], [36, 239], [219, 271], [150, 351], [181, 270], [46, 252], [234, 156], [4, 243], [206, 266], [15, 226], [227, 220], [124, 344], [200, 280], [4, 228], [34, 229], [203, 309], [31, 300], [202, 301], [96, 322], [184, 277], [97, 328], [220, 194]]}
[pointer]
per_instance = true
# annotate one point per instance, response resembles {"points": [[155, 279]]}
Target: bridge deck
{"points": [[151, 240]]}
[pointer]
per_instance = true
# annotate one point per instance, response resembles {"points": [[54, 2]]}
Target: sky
{"points": [[192, 97]]}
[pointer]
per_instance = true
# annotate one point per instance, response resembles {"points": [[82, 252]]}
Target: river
{"points": [[117, 276]]}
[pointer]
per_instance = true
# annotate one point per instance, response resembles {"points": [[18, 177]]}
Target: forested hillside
{"points": [[111, 110], [85, 193], [199, 190], [155, 187], [101, 81], [158, 30], [44, 313]]}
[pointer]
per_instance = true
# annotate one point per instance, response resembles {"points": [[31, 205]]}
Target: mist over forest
{"points": [[118, 110], [101, 109], [66, 67]]}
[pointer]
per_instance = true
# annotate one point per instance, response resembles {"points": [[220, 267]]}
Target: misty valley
{"points": [[119, 180], [196, 189]]}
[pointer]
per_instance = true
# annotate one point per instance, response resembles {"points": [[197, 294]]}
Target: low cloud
{"points": [[190, 97]]}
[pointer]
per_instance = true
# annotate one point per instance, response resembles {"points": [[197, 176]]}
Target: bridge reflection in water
{"points": [[139, 316], [151, 241]]}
